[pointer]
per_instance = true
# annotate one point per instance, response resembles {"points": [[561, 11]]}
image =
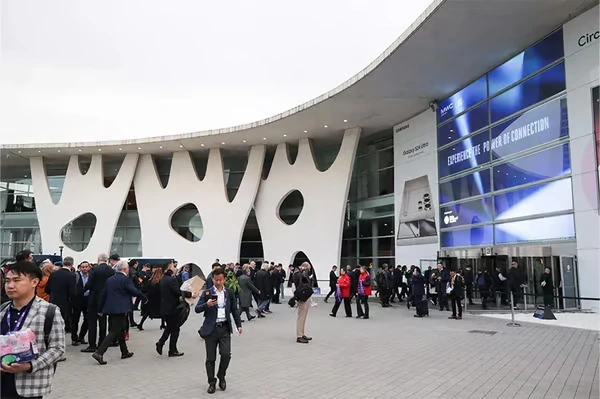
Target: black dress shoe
{"points": [[89, 349], [133, 325], [222, 384], [127, 355], [139, 327], [301, 340], [175, 354], [159, 348], [98, 358], [307, 338], [252, 317], [359, 316], [211, 388], [331, 314]]}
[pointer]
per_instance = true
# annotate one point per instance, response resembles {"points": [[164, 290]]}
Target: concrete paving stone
{"points": [[392, 355]]}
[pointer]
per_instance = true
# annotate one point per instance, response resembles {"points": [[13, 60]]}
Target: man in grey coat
{"points": [[247, 289]]}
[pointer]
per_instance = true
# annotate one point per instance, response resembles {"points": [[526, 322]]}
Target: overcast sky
{"points": [[73, 70]]}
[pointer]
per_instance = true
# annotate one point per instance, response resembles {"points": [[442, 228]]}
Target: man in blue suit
{"points": [[218, 305], [116, 303]]}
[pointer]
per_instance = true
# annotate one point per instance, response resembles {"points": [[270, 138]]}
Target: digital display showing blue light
{"points": [[546, 228], [536, 89], [543, 165], [467, 123], [466, 213], [527, 62], [477, 183], [466, 154], [463, 100], [538, 126], [474, 236]]}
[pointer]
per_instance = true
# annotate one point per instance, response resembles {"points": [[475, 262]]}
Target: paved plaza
{"points": [[392, 355]]}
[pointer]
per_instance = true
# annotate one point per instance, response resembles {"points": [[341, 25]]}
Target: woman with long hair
{"points": [[342, 293], [151, 309], [40, 290], [364, 291]]}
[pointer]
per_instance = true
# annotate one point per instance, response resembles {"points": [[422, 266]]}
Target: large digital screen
{"points": [[466, 154], [547, 228], [556, 196], [474, 236], [553, 162], [477, 183], [529, 61], [463, 100], [538, 126], [466, 213], [528, 93], [467, 123]]}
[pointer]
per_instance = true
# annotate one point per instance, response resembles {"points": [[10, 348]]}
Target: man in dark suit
{"points": [[263, 282], [115, 302], [80, 304], [170, 294], [96, 283], [218, 305], [61, 288], [332, 282], [209, 282]]}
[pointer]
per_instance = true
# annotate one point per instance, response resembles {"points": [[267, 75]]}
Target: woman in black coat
{"points": [[547, 288], [151, 309]]}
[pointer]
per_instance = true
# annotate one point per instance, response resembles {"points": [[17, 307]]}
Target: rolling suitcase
{"points": [[423, 308]]}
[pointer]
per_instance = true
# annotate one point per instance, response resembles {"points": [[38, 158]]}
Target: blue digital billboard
{"points": [[527, 62], [546, 228], [466, 213], [538, 126], [466, 154], [467, 123], [477, 183], [555, 196], [474, 236], [543, 165], [463, 100], [528, 93]]}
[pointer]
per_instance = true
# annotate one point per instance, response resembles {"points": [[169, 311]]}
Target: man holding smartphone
{"points": [[218, 305]]}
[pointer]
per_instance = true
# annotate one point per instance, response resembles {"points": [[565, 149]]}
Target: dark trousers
{"points": [[171, 330], [117, 325], [365, 301], [96, 327], [221, 338], [548, 299], [65, 312], [136, 304], [276, 294], [331, 292], [456, 304], [247, 311], [384, 297], [131, 321], [484, 299], [347, 307], [396, 293], [77, 313], [443, 298], [470, 293], [404, 291]]}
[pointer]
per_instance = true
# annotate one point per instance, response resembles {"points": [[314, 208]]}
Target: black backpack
{"points": [[304, 290]]}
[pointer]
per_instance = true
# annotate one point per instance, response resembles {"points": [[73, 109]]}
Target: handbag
{"points": [[449, 289]]}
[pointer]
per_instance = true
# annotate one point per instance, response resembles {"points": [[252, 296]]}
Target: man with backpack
{"points": [[484, 284], [302, 294], [32, 379]]}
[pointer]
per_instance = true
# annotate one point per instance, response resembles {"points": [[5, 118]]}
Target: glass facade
{"points": [[503, 153]]}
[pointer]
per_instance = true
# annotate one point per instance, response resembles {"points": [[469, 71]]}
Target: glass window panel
{"points": [[349, 248], [464, 125], [542, 165], [466, 154], [133, 234], [385, 247], [386, 182], [530, 92], [251, 250], [463, 100], [547, 228], [385, 226], [365, 228], [386, 158], [365, 247], [350, 229], [538, 126], [474, 236], [477, 183], [555, 196], [529, 61], [130, 250], [466, 213]]}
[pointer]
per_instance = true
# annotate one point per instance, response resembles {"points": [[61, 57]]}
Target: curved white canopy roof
{"points": [[451, 43]]}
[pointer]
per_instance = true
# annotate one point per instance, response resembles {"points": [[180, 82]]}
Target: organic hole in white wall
{"points": [[77, 234], [290, 207], [186, 222]]}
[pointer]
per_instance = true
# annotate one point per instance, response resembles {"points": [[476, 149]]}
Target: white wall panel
{"points": [[223, 221], [81, 194], [318, 230]]}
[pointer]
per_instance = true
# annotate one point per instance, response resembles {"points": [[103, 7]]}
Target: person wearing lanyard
{"points": [[218, 305], [25, 310]]}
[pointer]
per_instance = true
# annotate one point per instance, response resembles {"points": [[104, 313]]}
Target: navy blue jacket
{"points": [[210, 313], [96, 283], [418, 285], [116, 297]]}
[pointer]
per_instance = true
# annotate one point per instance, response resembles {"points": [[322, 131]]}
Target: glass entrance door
{"points": [[569, 281]]}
